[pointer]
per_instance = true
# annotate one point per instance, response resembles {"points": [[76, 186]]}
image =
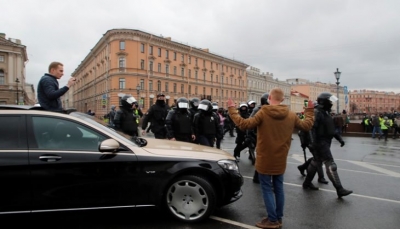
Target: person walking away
{"points": [[179, 122], [48, 91], [111, 116], [346, 121], [322, 133], [376, 122], [338, 122], [156, 115], [275, 124], [385, 126]]}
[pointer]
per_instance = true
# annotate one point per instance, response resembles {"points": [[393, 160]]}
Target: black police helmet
{"points": [[127, 101], [205, 105], [194, 102], [182, 103], [326, 100], [264, 99], [215, 106]]}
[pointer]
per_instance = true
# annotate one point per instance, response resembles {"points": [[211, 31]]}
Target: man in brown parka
{"points": [[275, 125]]}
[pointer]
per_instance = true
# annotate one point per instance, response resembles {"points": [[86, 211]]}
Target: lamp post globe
{"points": [[337, 76]]}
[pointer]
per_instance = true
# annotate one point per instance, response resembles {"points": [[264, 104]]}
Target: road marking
{"points": [[381, 171], [376, 168], [233, 222], [333, 191]]}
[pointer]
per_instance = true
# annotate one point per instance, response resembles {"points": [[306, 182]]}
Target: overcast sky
{"points": [[292, 39]]}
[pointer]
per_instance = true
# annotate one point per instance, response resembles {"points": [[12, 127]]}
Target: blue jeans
{"points": [[274, 200], [377, 129]]}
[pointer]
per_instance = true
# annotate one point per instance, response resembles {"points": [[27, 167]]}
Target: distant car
{"points": [[51, 161]]}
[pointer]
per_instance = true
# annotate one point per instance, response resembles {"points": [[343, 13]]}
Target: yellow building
{"points": [[134, 62], [13, 86]]}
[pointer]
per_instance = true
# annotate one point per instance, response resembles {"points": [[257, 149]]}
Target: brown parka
{"points": [[275, 125]]}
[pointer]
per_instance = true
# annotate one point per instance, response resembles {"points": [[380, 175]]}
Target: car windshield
{"points": [[101, 125]]}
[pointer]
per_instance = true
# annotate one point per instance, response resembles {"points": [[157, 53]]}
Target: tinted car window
{"points": [[12, 134], [60, 134]]}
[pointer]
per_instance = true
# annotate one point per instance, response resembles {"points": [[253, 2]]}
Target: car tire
{"points": [[190, 198]]}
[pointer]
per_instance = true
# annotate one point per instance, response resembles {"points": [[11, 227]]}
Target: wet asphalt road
{"points": [[369, 167]]}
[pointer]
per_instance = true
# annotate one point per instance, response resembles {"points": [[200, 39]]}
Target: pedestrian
{"points": [[111, 116], [275, 124], [157, 115], [221, 123], [251, 105], [322, 133], [179, 122], [385, 126], [396, 127], [48, 89], [125, 119], [338, 123], [376, 122], [346, 121], [206, 124]]}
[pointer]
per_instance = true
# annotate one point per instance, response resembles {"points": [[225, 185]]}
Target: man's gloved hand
{"points": [[341, 143]]}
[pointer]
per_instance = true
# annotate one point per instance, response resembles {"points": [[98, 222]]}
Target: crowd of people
{"points": [[266, 129], [382, 124]]}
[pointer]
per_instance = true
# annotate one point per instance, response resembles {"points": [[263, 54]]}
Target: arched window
{"points": [[2, 82]]}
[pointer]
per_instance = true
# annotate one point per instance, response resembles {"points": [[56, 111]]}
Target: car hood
{"points": [[183, 149]]}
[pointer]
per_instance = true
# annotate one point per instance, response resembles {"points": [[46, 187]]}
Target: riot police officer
{"points": [[157, 115], [215, 110], [125, 119], [194, 104], [241, 135], [322, 133], [206, 125], [179, 122], [252, 104]]}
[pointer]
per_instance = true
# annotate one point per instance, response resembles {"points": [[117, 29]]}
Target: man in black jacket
{"points": [[125, 119], [48, 90], [157, 115]]}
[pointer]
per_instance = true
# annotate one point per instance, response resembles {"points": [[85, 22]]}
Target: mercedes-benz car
{"points": [[52, 161]]}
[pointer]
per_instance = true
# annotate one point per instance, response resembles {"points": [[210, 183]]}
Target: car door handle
{"points": [[50, 158]]}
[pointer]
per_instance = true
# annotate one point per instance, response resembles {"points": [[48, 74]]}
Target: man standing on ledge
{"points": [[48, 92], [275, 124]]}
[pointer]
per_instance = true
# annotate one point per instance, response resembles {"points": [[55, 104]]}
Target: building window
{"points": [[158, 85], [231, 80], [222, 80], [150, 85], [190, 89], [189, 60], [166, 54], [182, 71], [211, 78], [195, 90], [174, 87], [216, 92], [142, 64], [159, 67], [211, 65], [121, 62], [174, 55], [1, 58], [151, 50], [182, 88], [167, 68], [204, 91], [142, 84], [190, 73], [2, 77], [151, 66], [121, 45], [183, 57], [216, 78], [174, 70], [195, 75], [166, 86], [204, 63], [195, 61], [159, 52], [141, 47], [204, 76], [121, 83]]}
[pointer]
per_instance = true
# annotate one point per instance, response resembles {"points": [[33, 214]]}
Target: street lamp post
{"points": [[337, 76], [17, 81], [138, 91]]}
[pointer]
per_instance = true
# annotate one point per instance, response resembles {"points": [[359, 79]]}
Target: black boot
{"points": [[304, 167], [331, 171], [311, 171], [252, 157]]}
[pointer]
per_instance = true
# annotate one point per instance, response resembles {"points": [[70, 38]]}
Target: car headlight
{"points": [[228, 165]]}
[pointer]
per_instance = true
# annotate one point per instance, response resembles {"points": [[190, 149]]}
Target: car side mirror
{"points": [[109, 145]]}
